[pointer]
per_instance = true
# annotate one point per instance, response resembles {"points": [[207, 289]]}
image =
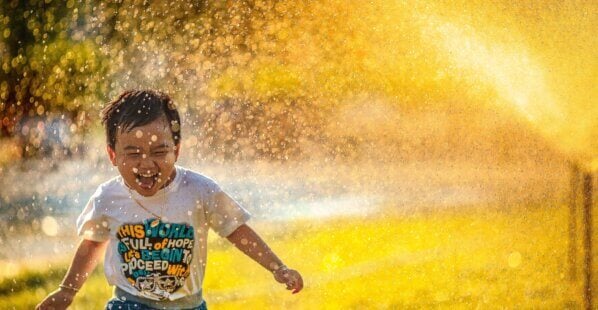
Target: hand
{"points": [[58, 300], [290, 277]]}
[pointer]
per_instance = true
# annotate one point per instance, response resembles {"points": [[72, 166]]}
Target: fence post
{"points": [[573, 194], [587, 210]]}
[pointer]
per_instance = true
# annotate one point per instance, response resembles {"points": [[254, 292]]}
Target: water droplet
{"points": [[50, 226], [514, 259]]}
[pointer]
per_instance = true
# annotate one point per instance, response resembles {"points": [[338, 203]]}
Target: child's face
{"points": [[145, 156]]}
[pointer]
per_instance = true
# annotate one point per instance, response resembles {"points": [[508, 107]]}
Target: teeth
{"points": [[147, 175]]}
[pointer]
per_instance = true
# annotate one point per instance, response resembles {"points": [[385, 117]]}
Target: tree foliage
{"points": [[51, 61]]}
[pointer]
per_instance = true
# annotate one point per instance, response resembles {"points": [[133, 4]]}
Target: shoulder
{"points": [[109, 188], [105, 195], [196, 180]]}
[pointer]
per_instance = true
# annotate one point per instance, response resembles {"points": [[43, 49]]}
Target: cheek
{"points": [[170, 159], [124, 165]]}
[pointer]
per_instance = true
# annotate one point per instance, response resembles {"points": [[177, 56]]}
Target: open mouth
{"points": [[147, 180]]}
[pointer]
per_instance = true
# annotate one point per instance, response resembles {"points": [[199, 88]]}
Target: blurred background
{"points": [[399, 153]]}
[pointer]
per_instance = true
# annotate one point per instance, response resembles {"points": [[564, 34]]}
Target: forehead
{"points": [[158, 131]]}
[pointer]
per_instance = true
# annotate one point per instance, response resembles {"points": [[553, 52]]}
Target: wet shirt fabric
{"points": [[161, 260]]}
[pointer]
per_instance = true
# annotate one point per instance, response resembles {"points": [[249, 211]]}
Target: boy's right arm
{"points": [[86, 258]]}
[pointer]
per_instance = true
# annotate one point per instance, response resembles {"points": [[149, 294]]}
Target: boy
{"points": [[153, 219]]}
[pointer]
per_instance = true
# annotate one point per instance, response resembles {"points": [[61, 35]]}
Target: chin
{"points": [[147, 193]]}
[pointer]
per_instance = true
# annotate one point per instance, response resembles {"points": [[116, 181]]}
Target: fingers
{"points": [[294, 283], [291, 279], [298, 286]]}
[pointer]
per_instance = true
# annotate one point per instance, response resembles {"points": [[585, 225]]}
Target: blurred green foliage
{"points": [[51, 62]]}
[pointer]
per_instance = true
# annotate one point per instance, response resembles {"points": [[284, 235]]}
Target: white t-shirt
{"points": [[165, 260]]}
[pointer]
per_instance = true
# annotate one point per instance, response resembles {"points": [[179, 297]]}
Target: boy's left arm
{"points": [[246, 240]]}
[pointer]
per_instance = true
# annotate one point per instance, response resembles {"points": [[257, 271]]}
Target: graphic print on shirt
{"points": [[156, 260]]}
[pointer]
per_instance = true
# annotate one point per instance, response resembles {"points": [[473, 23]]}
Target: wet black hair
{"points": [[134, 108]]}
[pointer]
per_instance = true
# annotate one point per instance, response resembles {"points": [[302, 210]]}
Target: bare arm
{"points": [[86, 259], [246, 240]]}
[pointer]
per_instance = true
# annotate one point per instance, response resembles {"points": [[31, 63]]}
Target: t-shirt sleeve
{"points": [[92, 224], [225, 215]]}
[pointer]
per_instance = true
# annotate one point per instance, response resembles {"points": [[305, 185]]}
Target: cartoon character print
{"points": [[156, 256]]}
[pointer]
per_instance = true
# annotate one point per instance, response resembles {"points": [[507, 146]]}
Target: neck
{"points": [[170, 178]]}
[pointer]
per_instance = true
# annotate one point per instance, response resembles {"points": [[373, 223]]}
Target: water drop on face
{"points": [[138, 133], [135, 170], [154, 138]]}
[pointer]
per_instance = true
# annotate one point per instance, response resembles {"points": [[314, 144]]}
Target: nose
{"points": [[146, 164]]}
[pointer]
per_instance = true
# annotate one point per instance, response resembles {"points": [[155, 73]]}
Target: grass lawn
{"points": [[514, 258]]}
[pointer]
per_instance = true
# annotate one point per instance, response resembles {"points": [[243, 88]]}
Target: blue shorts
{"points": [[117, 304]]}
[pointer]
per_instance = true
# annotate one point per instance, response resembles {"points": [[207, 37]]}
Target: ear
{"points": [[111, 154], [176, 151]]}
